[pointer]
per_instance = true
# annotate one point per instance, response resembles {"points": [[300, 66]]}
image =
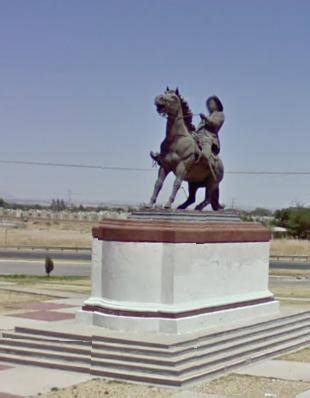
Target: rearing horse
{"points": [[179, 153]]}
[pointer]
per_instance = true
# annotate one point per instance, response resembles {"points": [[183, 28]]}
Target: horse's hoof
{"points": [[201, 206], [167, 206]]}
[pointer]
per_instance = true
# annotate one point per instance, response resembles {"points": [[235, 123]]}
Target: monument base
{"points": [[178, 276]]}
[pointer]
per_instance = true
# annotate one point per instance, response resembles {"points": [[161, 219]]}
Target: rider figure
{"points": [[207, 131], [209, 127]]}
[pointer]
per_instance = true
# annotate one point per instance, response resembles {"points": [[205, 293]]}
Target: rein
{"points": [[187, 114]]}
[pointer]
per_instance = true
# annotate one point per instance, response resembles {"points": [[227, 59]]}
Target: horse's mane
{"points": [[187, 113]]}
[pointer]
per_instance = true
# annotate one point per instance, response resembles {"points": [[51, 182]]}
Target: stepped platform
{"points": [[157, 359]]}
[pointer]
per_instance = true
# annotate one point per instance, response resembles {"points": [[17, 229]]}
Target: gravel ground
{"points": [[300, 290], [252, 387], [110, 389], [237, 386], [298, 356]]}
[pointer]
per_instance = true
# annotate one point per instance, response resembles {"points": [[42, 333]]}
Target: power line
{"points": [[73, 165], [117, 168], [291, 173]]}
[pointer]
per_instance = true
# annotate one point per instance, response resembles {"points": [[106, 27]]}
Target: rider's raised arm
{"points": [[215, 121]]}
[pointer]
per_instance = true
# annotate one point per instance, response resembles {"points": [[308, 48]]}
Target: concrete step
{"points": [[194, 376], [165, 380], [35, 337], [52, 364], [198, 362], [197, 353], [200, 351], [53, 334], [51, 345], [225, 333], [108, 350], [178, 343], [205, 342], [44, 353]]}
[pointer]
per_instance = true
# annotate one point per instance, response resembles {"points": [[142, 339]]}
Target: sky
{"points": [[78, 81]]}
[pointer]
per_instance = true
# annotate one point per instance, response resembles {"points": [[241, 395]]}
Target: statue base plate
{"points": [[178, 276], [184, 215]]}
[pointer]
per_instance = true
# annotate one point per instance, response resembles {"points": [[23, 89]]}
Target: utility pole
{"points": [[5, 236]]}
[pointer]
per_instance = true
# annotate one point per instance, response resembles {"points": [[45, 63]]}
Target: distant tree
{"points": [[246, 217], [3, 203], [296, 220], [58, 205], [261, 212]]}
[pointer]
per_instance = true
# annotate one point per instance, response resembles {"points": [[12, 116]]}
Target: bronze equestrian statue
{"points": [[192, 155]]}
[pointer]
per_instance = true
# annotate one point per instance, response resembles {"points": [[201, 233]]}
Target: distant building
{"points": [[278, 232]]}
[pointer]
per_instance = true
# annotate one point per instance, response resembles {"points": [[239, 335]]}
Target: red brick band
{"points": [[174, 315], [180, 231]]}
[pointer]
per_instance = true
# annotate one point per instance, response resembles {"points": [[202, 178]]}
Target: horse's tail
{"points": [[219, 169]]}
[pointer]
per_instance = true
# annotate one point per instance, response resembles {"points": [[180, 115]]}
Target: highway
{"points": [[36, 267], [31, 262]]}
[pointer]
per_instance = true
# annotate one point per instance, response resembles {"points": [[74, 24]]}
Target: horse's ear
{"points": [[177, 91], [167, 89]]}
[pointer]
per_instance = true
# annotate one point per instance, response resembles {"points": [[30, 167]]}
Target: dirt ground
{"points": [[10, 300], [290, 247], [252, 387], [238, 386], [300, 290], [48, 234], [111, 389], [298, 356]]}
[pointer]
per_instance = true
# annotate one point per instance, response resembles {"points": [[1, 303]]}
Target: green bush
{"points": [[296, 220]]}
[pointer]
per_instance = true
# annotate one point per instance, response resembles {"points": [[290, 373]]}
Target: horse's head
{"points": [[168, 103]]}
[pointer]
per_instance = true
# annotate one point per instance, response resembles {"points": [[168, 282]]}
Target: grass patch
{"points": [[252, 387], [294, 290], [31, 279], [290, 247], [10, 301], [289, 272], [302, 355]]}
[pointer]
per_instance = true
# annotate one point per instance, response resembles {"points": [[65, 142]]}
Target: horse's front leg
{"points": [[180, 174], [204, 203], [162, 174], [192, 189]]}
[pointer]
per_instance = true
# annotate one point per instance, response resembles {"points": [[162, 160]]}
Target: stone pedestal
{"points": [[178, 276]]}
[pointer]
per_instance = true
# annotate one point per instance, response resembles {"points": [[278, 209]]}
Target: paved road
{"points": [[289, 265], [85, 255], [36, 267], [23, 254]]}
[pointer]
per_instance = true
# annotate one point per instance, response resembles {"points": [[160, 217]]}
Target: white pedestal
{"points": [[177, 287]]}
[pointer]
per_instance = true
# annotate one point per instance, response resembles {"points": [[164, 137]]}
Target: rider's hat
{"points": [[219, 104]]}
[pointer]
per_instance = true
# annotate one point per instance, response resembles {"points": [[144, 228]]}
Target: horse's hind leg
{"points": [[192, 189], [214, 194], [204, 203], [162, 174]]}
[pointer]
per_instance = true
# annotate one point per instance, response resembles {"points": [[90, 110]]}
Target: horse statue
{"points": [[180, 154]]}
